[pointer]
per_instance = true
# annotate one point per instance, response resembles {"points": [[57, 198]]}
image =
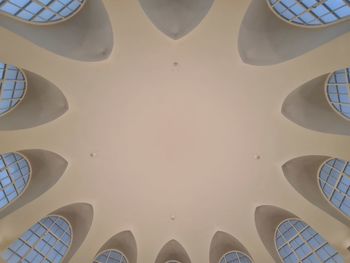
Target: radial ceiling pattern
{"points": [[174, 139]]}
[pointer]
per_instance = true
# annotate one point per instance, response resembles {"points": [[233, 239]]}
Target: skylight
{"points": [[14, 177], [41, 11], [12, 87], [311, 12], [334, 179], [47, 241], [110, 256], [298, 242], [235, 257], [337, 89]]}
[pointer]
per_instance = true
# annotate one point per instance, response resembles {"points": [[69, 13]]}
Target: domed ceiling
{"points": [[173, 139]]}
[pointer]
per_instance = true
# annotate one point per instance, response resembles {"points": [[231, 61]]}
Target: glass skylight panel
{"points": [[235, 257], [337, 90], [334, 179], [311, 12], [110, 256], [14, 177], [47, 241], [12, 87], [297, 242], [41, 11]]}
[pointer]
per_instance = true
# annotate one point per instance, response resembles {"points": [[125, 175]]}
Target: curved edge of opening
{"points": [[173, 250], [223, 243], [302, 174], [42, 103], [264, 39], [80, 216], [86, 36], [124, 242], [46, 169], [308, 107], [267, 219], [176, 22]]}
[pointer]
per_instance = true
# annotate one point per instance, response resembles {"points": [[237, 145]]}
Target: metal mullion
{"points": [[335, 78], [348, 78], [309, 10], [47, 7], [44, 7], [288, 243], [288, 8], [238, 258], [21, 8], [338, 180], [11, 179], [330, 10], [57, 239], [32, 247], [307, 243]]}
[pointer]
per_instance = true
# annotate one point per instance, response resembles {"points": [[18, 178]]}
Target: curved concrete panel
{"points": [[173, 251], [87, 36], [308, 107], [176, 18], [223, 243], [47, 168], [124, 242], [43, 103], [80, 216], [265, 39], [267, 219], [302, 174]]}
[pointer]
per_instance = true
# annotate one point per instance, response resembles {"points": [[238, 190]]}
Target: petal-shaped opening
{"points": [[42, 103], [173, 250], [124, 242], [302, 174], [223, 243], [264, 39], [46, 169], [176, 18], [80, 216], [308, 107], [267, 219], [87, 36]]}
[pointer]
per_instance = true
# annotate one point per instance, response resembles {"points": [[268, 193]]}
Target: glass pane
{"points": [[311, 12], [41, 241], [110, 256], [12, 87], [298, 242], [40, 11], [235, 257], [14, 176]]}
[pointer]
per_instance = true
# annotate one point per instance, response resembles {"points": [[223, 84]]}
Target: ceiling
{"points": [[162, 137]]}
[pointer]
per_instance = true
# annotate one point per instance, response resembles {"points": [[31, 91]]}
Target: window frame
{"points": [[235, 251], [47, 23], [313, 250], [319, 185], [110, 249], [27, 184], [326, 93], [37, 222], [25, 87], [304, 25]]}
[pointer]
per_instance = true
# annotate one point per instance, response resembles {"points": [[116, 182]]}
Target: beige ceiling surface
{"points": [[174, 139]]}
